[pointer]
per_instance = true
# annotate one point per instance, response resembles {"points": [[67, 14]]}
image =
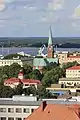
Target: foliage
{"points": [[52, 76], [42, 93], [27, 68], [19, 89], [35, 74], [14, 70]]}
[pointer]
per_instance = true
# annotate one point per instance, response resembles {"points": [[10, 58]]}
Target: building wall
{"points": [[10, 61], [15, 84], [72, 73], [65, 58], [16, 115], [62, 57], [69, 82]]}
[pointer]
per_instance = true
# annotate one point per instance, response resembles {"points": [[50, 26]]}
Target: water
{"points": [[30, 50]]}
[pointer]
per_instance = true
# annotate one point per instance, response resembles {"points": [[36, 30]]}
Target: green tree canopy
{"points": [[36, 75], [14, 70], [52, 76]]}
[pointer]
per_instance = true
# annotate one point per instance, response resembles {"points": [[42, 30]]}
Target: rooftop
{"points": [[74, 68], [56, 112], [27, 81], [74, 57]]}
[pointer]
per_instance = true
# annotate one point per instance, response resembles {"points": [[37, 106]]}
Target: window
{"points": [[26, 110], [10, 118], [11, 110], [2, 109], [18, 118], [3, 118], [18, 110]]}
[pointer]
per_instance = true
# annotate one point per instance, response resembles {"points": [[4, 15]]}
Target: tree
{"points": [[27, 70], [36, 75], [30, 90], [19, 89], [14, 70], [6, 92], [49, 67], [52, 76], [42, 92]]}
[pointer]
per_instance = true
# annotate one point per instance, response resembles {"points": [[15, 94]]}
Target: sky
{"points": [[32, 18]]}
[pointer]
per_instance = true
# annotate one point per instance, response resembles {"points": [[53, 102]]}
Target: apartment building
{"points": [[4, 62], [73, 72], [64, 57], [18, 107], [56, 112], [72, 78]]}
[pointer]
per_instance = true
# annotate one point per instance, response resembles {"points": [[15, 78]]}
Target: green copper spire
{"points": [[50, 41]]}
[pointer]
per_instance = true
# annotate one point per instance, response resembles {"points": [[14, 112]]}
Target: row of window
{"points": [[10, 118], [17, 110], [70, 83]]}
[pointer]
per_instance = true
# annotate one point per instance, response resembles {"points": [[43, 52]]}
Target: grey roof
{"points": [[36, 103], [21, 103], [69, 79]]}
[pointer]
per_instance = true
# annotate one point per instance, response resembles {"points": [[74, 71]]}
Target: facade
{"points": [[72, 77], [13, 82], [4, 62], [56, 112], [40, 62], [73, 72], [18, 107], [64, 57]]}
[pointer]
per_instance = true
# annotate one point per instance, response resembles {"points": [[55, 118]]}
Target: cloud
{"points": [[56, 5], [76, 14], [49, 17], [2, 7]]}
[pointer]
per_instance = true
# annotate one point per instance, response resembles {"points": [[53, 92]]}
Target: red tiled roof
{"points": [[27, 81], [56, 112], [74, 68], [30, 81], [74, 57], [12, 80]]}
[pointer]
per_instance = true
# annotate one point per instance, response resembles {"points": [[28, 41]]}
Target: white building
{"points": [[18, 107], [4, 62]]}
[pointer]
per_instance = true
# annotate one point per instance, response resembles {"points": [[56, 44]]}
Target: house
{"points": [[56, 112], [13, 82]]}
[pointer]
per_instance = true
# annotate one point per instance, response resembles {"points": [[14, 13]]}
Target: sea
{"points": [[31, 50]]}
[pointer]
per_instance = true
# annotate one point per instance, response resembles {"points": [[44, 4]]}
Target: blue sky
{"points": [[30, 18]]}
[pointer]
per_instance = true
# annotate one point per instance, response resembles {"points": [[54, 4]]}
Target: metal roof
{"points": [[38, 103]]}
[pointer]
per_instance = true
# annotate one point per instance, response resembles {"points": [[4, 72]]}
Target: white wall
{"points": [[14, 114]]}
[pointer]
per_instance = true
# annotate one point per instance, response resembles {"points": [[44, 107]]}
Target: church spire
{"points": [[50, 45], [50, 37]]}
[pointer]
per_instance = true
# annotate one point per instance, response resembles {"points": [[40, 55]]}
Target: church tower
{"points": [[50, 53]]}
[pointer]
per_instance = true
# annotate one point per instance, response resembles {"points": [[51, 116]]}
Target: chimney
{"points": [[21, 75], [44, 104]]}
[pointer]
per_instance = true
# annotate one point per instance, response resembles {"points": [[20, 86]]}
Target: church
{"points": [[40, 62]]}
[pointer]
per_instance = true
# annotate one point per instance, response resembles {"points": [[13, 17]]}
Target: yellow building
{"points": [[64, 57], [72, 77], [73, 72]]}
